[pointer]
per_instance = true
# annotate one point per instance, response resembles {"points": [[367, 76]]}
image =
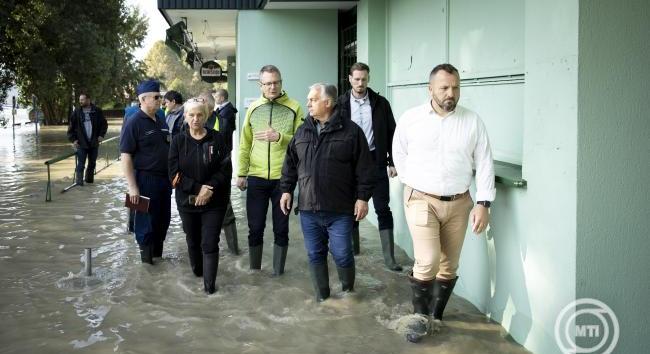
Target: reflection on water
{"points": [[47, 305]]}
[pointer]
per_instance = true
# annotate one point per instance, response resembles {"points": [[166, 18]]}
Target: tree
{"points": [[56, 49], [174, 74]]}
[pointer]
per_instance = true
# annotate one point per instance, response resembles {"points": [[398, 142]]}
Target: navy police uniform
{"points": [[147, 141]]}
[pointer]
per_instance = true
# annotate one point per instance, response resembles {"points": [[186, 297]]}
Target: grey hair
{"points": [[326, 91]]}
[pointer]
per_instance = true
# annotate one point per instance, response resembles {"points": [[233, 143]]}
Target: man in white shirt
{"points": [[435, 147]]}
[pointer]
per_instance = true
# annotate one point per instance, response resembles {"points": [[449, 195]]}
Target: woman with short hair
{"points": [[200, 170]]}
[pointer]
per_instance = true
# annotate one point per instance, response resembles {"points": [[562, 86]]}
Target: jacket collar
{"points": [[334, 123]]}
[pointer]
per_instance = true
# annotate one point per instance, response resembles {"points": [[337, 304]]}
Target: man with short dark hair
{"points": [[373, 114], [145, 151], [267, 129], [86, 129], [174, 119], [328, 159], [436, 146]]}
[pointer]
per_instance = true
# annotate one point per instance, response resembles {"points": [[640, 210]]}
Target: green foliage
{"points": [[163, 64], [56, 49]]}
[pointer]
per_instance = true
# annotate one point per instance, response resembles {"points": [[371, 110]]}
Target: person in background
{"points": [[328, 159], [144, 148], [86, 129], [435, 148], [200, 170], [373, 114], [174, 104]]}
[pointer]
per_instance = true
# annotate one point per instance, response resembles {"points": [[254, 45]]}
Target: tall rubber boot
{"points": [[388, 249], [421, 299], [346, 276], [210, 267], [442, 290], [146, 254], [321, 280], [279, 258], [90, 175], [79, 178], [230, 231], [158, 248], [196, 261], [255, 255], [355, 240]]}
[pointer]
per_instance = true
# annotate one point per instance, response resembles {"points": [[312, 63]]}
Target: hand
{"points": [[204, 195], [242, 183], [100, 138], [392, 171], [75, 144], [360, 209], [134, 195], [285, 203], [480, 218], [268, 135]]}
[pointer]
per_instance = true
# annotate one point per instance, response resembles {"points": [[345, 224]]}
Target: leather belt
{"points": [[444, 198]]}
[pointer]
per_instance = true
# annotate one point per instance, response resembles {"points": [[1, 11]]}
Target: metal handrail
{"points": [[48, 188]]}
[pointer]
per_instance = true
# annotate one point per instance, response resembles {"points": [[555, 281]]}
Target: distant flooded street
{"points": [[48, 305]]}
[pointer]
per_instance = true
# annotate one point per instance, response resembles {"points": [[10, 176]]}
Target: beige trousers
{"points": [[438, 231]]}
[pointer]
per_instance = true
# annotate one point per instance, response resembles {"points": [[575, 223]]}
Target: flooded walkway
{"points": [[47, 305]]}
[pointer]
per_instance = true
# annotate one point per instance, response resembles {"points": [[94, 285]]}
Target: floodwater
{"points": [[47, 305]]}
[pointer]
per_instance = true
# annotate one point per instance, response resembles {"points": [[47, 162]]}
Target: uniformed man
{"points": [[145, 148]]}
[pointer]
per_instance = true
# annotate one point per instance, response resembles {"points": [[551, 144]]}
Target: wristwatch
{"points": [[484, 203]]}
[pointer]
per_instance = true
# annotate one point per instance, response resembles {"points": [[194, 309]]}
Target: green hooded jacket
{"points": [[262, 158]]}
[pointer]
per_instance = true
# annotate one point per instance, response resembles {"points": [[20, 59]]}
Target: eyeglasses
{"points": [[156, 97], [272, 83]]}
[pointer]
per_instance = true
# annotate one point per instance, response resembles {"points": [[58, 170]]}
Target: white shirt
{"points": [[361, 113], [88, 125], [436, 154], [220, 106]]}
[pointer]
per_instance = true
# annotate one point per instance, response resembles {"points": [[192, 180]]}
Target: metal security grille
{"points": [[347, 46]]}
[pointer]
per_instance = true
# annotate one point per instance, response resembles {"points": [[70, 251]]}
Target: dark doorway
{"points": [[347, 46]]}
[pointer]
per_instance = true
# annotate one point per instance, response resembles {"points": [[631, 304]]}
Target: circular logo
{"points": [[586, 326]]}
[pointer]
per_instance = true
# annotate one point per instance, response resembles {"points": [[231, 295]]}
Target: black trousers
{"points": [[381, 197], [202, 230], [258, 194]]}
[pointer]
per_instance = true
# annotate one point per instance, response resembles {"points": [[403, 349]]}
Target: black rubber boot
{"points": [[196, 261], [210, 267], [388, 249], [355, 241], [279, 258], [146, 254], [90, 175], [321, 280], [421, 298], [158, 248], [346, 276], [442, 290], [79, 178], [230, 231], [255, 254]]}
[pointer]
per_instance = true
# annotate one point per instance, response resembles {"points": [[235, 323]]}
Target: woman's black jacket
{"points": [[200, 162]]}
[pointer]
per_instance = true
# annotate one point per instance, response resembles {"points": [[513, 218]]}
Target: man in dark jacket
{"points": [[174, 118], [328, 158], [373, 114], [86, 129], [226, 115]]}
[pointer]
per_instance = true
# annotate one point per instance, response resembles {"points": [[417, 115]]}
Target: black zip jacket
{"points": [[332, 170], [383, 124], [227, 124], [76, 130], [200, 162]]}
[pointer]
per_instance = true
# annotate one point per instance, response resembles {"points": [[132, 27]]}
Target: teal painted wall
{"points": [[371, 41], [303, 44], [521, 273], [614, 164]]}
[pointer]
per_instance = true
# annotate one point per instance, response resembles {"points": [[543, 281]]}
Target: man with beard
{"points": [[86, 130], [435, 147]]}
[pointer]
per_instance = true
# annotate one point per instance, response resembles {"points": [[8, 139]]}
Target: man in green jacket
{"points": [[267, 130]]}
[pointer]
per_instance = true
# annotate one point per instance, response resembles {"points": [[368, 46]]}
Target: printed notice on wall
{"points": [[252, 76]]}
